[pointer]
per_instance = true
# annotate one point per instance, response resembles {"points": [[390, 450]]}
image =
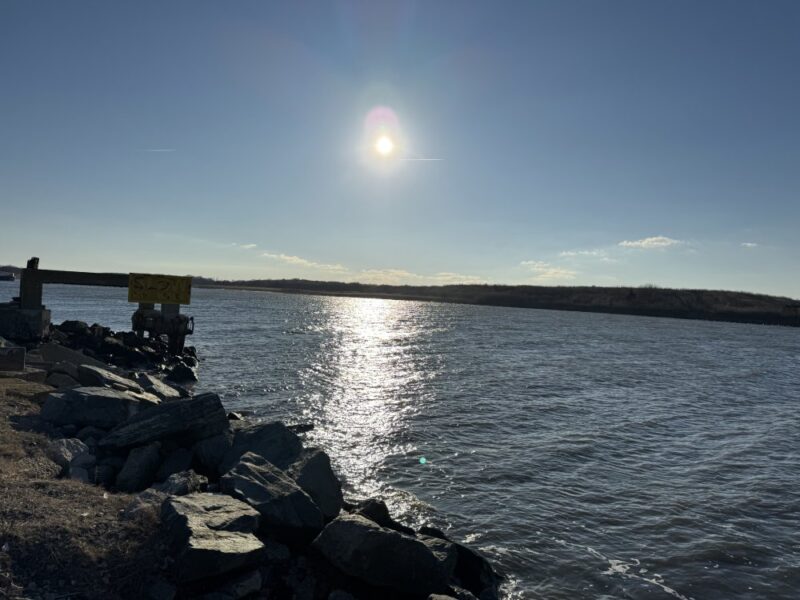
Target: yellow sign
{"points": [[159, 289]]}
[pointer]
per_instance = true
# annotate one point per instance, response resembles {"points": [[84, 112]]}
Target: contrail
{"points": [[423, 159], [159, 150]]}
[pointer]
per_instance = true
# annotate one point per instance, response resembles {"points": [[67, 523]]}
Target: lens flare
{"points": [[384, 146]]}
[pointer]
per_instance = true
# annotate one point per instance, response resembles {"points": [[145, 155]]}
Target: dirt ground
{"points": [[62, 538]]}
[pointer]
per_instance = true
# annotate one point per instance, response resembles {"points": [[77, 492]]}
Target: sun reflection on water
{"points": [[375, 386]]}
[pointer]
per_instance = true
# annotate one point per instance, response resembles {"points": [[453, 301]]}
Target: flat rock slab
{"points": [[57, 353], [285, 508], [381, 557], [187, 420], [90, 375], [98, 406], [212, 533], [274, 441], [154, 385]]}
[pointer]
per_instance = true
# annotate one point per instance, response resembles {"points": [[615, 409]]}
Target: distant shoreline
{"points": [[706, 305]]}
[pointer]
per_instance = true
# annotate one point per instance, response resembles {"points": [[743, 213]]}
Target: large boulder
{"points": [[212, 534], [185, 420], [313, 473], [175, 462], [101, 407], [92, 376], [376, 511], [61, 381], [286, 510], [381, 557], [140, 468], [210, 453], [273, 441]]}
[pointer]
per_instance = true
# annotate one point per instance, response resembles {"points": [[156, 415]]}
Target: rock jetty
{"points": [[246, 509]]}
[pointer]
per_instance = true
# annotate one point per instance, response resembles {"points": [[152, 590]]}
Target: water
{"points": [[590, 456]]}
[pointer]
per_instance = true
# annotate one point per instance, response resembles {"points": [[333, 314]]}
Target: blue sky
{"points": [[593, 142]]}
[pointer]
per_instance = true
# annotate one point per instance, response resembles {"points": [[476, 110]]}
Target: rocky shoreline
{"points": [[243, 508]]}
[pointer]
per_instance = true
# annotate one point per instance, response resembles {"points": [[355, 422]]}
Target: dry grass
{"points": [[62, 538]]}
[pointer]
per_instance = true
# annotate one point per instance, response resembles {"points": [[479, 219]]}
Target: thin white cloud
{"points": [[248, 246], [658, 241], [573, 253], [749, 245], [544, 271], [404, 277], [303, 262]]}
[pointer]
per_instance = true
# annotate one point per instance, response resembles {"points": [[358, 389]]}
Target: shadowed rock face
{"points": [[189, 419], [101, 407], [140, 468], [313, 473], [285, 508], [273, 441], [381, 557], [212, 533]]}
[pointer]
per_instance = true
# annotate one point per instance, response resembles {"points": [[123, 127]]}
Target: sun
{"points": [[384, 146]]}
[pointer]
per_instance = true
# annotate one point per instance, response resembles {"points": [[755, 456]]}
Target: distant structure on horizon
{"points": [[6, 276]]}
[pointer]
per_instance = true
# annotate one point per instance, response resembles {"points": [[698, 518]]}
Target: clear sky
{"points": [[592, 142]]}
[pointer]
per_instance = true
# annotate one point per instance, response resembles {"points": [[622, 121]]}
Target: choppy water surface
{"points": [[591, 456]]}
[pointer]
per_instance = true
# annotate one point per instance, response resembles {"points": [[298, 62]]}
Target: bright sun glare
{"points": [[384, 146]]}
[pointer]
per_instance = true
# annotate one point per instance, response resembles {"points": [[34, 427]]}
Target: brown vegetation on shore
{"points": [[58, 537], [712, 305]]}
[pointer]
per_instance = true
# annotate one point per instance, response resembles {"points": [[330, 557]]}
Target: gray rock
{"points": [[180, 373], [69, 431], [376, 511], [180, 484], [313, 473], [239, 587], [84, 460], [63, 451], [90, 432], [212, 535], [140, 468], [273, 441], [285, 508], [276, 553], [381, 557], [101, 407], [65, 368], [476, 574], [56, 353], [186, 420], [92, 376], [444, 551], [177, 461], [210, 452], [152, 384], [440, 597], [61, 381]]}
